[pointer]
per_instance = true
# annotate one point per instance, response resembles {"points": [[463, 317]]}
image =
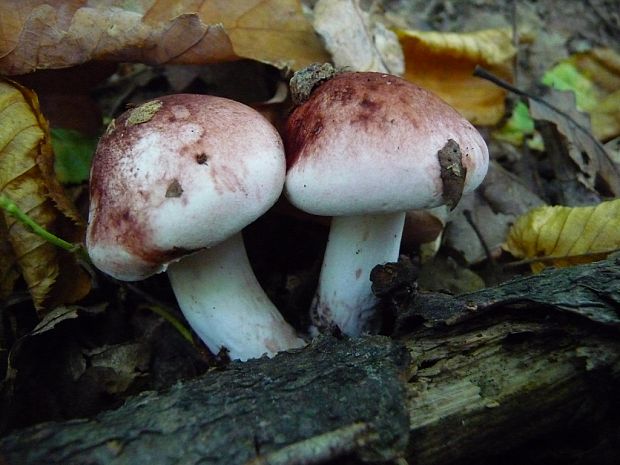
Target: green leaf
{"points": [[565, 76], [517, 126], [74, 152]]}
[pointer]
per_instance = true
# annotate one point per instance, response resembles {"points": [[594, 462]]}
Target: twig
{"points": [[480, 72]]}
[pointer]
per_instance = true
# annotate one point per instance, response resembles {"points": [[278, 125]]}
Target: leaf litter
{"points": [[27, 178]]}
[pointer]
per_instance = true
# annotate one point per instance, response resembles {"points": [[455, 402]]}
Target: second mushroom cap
{"points": [[368, 143]]}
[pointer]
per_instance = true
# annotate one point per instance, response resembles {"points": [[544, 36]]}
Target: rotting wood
{"points": [[525, 370]]}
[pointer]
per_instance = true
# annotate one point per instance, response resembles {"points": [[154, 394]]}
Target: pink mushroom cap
{"points": [[178, 174], [368, 143]]}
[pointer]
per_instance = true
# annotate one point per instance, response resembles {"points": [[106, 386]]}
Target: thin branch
{"points": [[481, 72]]}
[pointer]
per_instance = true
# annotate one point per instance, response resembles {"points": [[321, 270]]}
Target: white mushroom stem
{"points": [[355, 246], [223, 302]]}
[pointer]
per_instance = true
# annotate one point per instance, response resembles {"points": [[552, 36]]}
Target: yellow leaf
{"points": [[602, 67], [444, 62], [60, 33], [564, 236], [26, 177]]}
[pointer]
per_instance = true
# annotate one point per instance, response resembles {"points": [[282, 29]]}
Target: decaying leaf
{"points": [[493, 207], [584, 149], [355, 40], [444, 62], [565, 236], [63, 313], [117, 367], [27, 177], [594, 77], [58, 33]]}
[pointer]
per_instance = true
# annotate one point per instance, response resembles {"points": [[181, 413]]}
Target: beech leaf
{"points": [[595, 164], [59, 33], [564, 236], [444, 63], [27, 178], [355, 39]]}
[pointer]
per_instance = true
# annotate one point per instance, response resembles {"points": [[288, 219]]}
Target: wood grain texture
{"points": [[522, 373]]}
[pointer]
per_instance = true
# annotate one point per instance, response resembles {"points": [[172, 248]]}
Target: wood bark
{"points": [[526, 371]]}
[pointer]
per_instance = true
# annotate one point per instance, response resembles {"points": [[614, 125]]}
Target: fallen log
{"points": [[526, 371]]}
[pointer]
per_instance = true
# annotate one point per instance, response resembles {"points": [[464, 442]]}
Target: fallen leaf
{"points": [[565, 76], [493, 207], [355, 39], [117, 367], [564, 236], [27, 178], [584, 149], [58, 33], [519, 128], [594, 77], [444, 274], [519, 125], [63, 313], [444, 62]]}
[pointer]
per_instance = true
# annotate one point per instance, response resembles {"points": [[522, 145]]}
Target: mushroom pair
{"points": [[175, 180]]}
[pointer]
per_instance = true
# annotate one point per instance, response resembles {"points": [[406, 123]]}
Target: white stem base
{"points": [[223, 302], [355, 246]]}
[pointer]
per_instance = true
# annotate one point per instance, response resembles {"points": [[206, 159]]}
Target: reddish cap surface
{"points": [[368, 143], [177, 174]]}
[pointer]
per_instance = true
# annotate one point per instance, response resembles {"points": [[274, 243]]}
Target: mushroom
{"points": [[173, 183], [364, 148]]}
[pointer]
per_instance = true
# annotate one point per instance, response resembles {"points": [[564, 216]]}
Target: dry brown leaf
{"points": [[584, 149], [59, 33], [444, 62], [355, 40], [26, 177], [117, 367], [565, 236], [494, 206]]}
